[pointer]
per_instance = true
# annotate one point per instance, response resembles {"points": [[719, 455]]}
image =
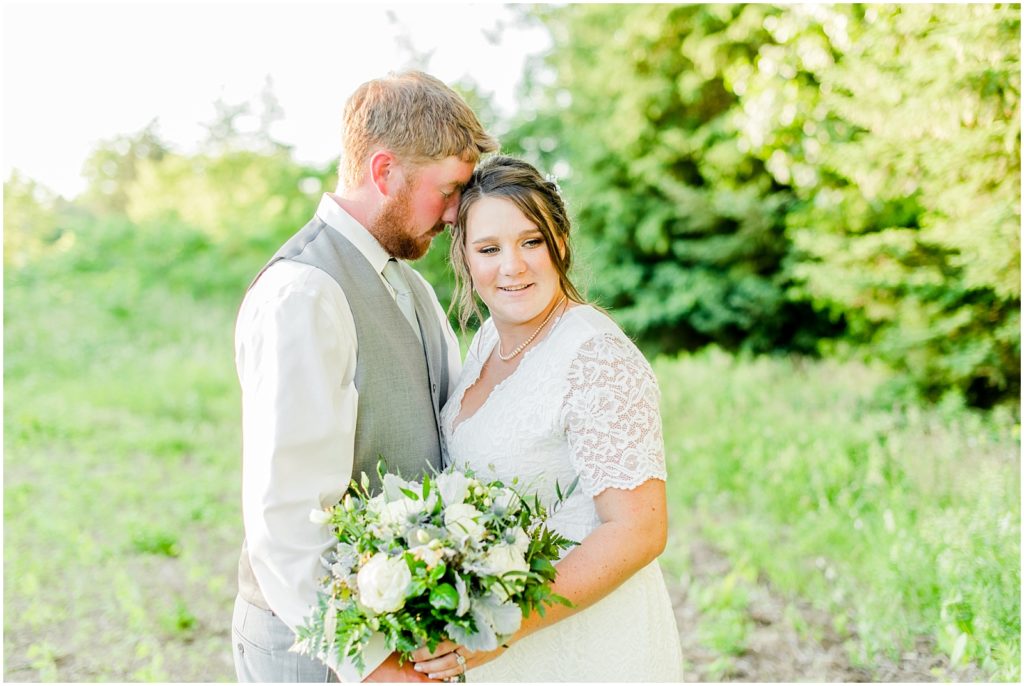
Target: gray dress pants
{"points": [[261, 641]]}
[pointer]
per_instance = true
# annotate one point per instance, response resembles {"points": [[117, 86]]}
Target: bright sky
{"points": [[76, 73]]}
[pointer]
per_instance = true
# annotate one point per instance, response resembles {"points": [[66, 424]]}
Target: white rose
{"points": [[383, 582], [504, 558], [400, 512], [375, 504], [319, 516], [432, 556], [522, 541], [453, 487], [500, 560], [392, 487], [460, 520]]}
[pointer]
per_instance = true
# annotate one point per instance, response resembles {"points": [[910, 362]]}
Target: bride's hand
{"points": [[451, 660]]}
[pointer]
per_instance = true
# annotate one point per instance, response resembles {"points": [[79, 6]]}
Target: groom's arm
{"points": [[295, 355]]}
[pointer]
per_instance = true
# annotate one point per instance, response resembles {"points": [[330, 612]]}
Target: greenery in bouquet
{"points": [[448, 557]]}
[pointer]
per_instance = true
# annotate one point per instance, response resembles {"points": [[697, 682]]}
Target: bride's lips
{"points": [[518, 289]]}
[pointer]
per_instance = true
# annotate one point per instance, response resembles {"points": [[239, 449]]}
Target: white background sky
{"points": [[76, 73]]}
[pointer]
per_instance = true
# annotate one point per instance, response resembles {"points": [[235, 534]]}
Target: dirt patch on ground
{"points": [[774, 648], [136, 632], [775, 651]]}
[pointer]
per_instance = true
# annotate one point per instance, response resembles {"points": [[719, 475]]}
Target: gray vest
{"points": [[402, 384]]}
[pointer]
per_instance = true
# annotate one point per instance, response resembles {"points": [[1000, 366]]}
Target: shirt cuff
{"points": [[374, 654]]}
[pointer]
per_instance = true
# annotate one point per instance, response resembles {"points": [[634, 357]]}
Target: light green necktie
{"points": [[403, 294]]}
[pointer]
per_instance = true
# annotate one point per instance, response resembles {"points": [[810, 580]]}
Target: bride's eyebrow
{"points": [[522, 234]]}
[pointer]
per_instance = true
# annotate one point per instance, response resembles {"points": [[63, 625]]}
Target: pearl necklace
{"points": [[522, 346]]}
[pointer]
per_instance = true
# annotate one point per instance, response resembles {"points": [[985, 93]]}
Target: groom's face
{"points": [[426, 201]]}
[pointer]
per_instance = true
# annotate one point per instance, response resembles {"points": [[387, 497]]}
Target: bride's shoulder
{"points": [[593, 332], [480, 344], [586, 322]]}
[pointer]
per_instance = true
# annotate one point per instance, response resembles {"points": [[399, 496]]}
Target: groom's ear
{"points": [[383, 170]]}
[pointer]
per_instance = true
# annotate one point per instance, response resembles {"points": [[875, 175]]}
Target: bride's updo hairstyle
{"points": [[538, 199]]}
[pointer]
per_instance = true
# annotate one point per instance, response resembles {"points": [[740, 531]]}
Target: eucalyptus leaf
{"points": [[483, 638]]}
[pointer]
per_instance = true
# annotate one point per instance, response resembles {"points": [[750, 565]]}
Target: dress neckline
{"points": [[456, 424]]}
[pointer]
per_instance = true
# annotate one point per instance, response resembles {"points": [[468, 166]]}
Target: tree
{"points": [[768, 178], [242, 190], [245, 125], [114, 164], [906, 159], [30, 219], [235, 197], [635, 107]]}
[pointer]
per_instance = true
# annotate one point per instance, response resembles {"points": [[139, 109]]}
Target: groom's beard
{"points": [[392, 228]]}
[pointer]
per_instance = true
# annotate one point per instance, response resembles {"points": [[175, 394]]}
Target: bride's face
{"points": [[509, 262]]}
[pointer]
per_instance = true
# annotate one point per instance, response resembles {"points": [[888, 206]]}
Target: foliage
{"points": [[235, 198], [242, 189], [906, 155], [113, 166], [32, 221], [758, 177], [121, 423], [901, 522], [686, 230], [771, 177]]}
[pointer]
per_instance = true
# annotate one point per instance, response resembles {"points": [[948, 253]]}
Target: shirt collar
{"points": [[341, 221]]}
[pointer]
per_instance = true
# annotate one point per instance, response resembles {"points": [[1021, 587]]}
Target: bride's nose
{"points": [[512, 263]]}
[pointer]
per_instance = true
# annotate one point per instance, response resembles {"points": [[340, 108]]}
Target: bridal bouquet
{"points": [[450, 557]]}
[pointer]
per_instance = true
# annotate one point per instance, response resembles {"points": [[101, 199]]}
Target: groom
{"points": [[344, 353]]}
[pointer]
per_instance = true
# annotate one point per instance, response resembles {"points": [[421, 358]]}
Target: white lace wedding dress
{"points": [[583, 401]]}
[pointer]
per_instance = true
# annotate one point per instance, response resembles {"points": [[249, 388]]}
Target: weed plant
{"points": [[122, 475], [902, 522], [121, 458]]}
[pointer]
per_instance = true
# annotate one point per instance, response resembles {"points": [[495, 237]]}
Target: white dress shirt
{"points": [[295, 353]]}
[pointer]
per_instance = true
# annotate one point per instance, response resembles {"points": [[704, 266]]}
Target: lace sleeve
{"points": [[611, 416]]}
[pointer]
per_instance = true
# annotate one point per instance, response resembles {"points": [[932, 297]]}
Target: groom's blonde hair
{"points": [[414, 115]]}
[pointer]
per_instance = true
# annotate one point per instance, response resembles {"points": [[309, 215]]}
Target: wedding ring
{"points": [[461, 661]]}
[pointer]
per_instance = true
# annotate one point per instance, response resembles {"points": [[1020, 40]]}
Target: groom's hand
{"points": [[390, 671]]}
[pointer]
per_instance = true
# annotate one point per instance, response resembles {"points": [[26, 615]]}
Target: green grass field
{"points": [[901, 523], [121, 482]]}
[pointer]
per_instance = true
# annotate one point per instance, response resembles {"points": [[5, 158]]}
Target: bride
{"points": [[553, 390]]}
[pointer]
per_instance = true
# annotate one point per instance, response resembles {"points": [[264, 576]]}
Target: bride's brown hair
{"points": [[538, 199]]}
